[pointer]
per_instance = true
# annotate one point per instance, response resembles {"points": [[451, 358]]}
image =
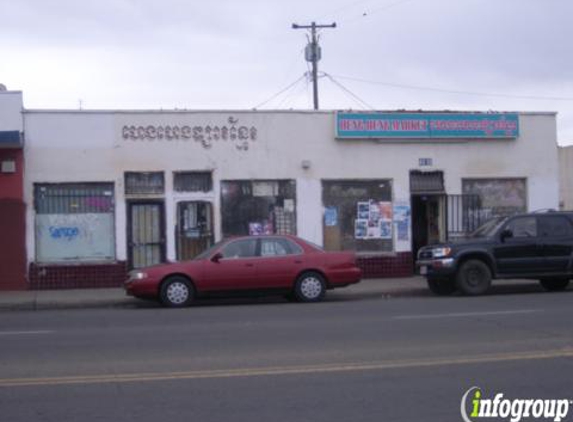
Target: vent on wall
{"points": [[8, 166]]}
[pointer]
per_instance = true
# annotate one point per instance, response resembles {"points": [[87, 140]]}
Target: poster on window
{"points": [[360, 228], [385, 229], [402, 223], [385, 210], [363, 211], [331, 216]]}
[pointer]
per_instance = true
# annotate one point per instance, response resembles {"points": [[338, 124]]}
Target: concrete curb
{"points": [[116, 297]]}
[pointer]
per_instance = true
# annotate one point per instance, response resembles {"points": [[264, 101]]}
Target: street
{"points": [[353, 357]]}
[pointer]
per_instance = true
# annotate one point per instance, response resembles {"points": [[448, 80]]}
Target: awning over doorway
{"points": [[10, 139]]}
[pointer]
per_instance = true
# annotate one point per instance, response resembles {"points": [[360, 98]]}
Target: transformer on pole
{"points": [[312, 53]]}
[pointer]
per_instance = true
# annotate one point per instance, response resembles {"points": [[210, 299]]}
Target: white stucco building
{"points": [[110, 190]]}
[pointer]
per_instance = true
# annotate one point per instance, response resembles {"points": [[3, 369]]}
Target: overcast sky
{"points": [[501, 55]]}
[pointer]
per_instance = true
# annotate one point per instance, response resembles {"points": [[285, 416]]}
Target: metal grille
{"points": [[464, 214], [73, 198], [194, 228], [144, 183], [193, 181], [146, 243]]}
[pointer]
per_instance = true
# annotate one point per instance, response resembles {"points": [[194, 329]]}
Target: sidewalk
{"points": [[116, 297]]}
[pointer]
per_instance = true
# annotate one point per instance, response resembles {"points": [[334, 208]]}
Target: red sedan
{"points": [[270, 264]]}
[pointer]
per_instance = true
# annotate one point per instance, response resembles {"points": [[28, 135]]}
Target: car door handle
{"points": [[297, 261], [249, 265]]}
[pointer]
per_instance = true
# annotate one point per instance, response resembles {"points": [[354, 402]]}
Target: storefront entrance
{"points": [[428, 202], [194, 231], [146, 233]]}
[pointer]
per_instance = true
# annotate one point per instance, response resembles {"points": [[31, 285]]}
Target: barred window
{"points": [[73, 198], [74, 222], [193, 181], [137, 183]]}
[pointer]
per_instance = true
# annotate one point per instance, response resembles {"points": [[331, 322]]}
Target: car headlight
{"points": [[441, 252], [137, 275]]}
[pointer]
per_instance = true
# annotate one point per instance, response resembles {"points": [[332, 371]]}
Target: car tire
{"points": [[310, 287], [554, 284], [473, 277], [176, 292], [442, 287]]}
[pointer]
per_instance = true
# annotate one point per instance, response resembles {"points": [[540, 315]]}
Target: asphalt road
{"points": [[351, 358]]}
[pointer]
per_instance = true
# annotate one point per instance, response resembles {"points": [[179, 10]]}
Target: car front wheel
{"points": [[442, 287], [554, 284], [310, 287], [176, 292], [473, 277]]}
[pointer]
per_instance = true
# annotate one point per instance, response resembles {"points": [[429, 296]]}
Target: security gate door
{"points": [[194, 231], [146, 237]]}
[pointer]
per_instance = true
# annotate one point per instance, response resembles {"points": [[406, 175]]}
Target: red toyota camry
{"points": [[252, 264]]}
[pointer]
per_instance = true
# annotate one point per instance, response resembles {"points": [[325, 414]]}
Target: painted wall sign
{"points": [[427, 125], [206, 135]]}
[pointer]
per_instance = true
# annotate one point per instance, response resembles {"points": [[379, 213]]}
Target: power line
{"points": [[450, 91], [279, 93], [349, 92]]}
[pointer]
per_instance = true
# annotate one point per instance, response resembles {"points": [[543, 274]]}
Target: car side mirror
{"points": [[217, 257], [505, 234]]}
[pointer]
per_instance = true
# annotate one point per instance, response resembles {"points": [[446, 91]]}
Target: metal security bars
{"points": [[73, 198], [146, 183], [193, 181], [464, 214]]}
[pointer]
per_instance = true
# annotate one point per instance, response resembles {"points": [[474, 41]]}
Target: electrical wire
{"points": [[450, 91], [279, 93], [349, 92]]}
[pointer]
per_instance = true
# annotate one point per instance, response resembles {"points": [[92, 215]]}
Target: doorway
{"points": [[428, 220], [146, 233], [428, 201], [194, 231]]}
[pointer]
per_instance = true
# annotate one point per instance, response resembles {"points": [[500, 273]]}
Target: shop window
{"points": [[74, 222], [258, 207], [358, 215], [499, 197], [194, 228], [144, 183], [193, 181]]}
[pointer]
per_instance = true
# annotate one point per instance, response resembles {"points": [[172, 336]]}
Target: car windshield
{"points": [[489, 228], [209, 251]]}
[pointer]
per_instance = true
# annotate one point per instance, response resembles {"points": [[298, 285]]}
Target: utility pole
{"points": [[313, 54]]}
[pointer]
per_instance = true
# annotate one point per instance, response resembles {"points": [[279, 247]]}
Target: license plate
{"points": [[423, 270]]}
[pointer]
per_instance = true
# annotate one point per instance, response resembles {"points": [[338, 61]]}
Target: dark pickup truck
{"points": [[527, 246]]}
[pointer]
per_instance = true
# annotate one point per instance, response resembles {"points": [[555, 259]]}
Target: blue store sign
{"points": [[427, 125]]}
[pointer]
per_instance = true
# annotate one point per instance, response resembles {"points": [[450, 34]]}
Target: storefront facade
{"points": [[112, 190]]}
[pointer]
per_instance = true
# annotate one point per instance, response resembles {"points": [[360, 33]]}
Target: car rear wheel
{"points": [[176, 292], [554, 284], [442, 287], [473, 277], [310, 287]]}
